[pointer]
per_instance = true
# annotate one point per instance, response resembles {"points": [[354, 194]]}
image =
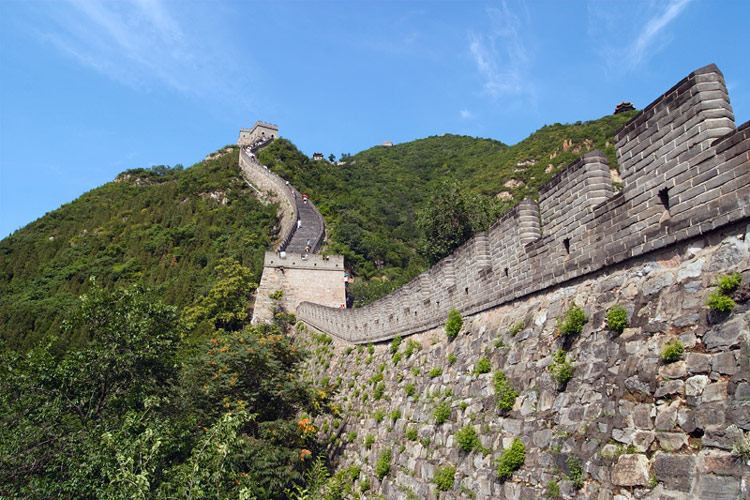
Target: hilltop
{"points": [[163, 227]]}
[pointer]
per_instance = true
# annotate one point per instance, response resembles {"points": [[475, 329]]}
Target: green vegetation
{"points": [[553, 490], [572, 323], [517, 327], [395, 343], [411, 433], [576, 471], [617, 319], [467, 439], [454, 324], [718, 299], [483, 366], [395, 414], [511, 460], [505, 394], [352, 436], [672, 351], [410, 389], [729, 283], [452, 359], [436, 372], [164, 228], [741, 448], [383, 465], [369, 441], [720, 302], [442, 412], [136, 412], [379, 415], [444, 477], [411, 347], [561, 368], [379, 391]]}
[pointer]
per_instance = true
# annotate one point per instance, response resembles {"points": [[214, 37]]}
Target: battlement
{"points": [[317, 262], [259, 132], [685, 171]]}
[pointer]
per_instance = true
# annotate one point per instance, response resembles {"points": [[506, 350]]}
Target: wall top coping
{"points": [[299, 261]]}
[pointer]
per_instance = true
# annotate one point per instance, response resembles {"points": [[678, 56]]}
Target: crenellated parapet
{"points": [[685, 170]]}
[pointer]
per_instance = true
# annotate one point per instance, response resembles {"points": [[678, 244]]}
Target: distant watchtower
{"points": [[260, 132]]}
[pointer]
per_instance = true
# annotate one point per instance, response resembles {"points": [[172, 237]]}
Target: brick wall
{"points": [[685, 171]]}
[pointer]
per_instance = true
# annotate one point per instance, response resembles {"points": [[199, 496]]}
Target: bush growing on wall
{"points": [[444, 477], [505, 394], [383, 465], [572, 323], [454, 324], [617, 319], [511, 460], [672, 351], [562, 370], [467, 439]]}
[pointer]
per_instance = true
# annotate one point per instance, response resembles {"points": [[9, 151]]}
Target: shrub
{"points": [[467, 439], [277, 295], [415, 370], [483, 366], [741, 448], [364, 485], [411, 346], [375, 378], [562, 370], [395, 343], [370, 349], [553, 490], [348, 350], [410, 389], [395, 414], [378, 415], [444, 477], [672, 351], [352, 436], [576, 471], [572, 323], [717, 300], [454, 324], [511, 459], [436, 372], [369, 441], [442, 412], [383, 465], [396, 358], [517, 327], [452, 359], [727, 283], [505, 394], [617, 319], [411, 433], [377, 394]]}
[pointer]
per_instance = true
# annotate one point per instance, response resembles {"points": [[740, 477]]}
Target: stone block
{"points": [[721, 437], [672, 441], [725, 363], [711, 487], [630, 470], [714, 393], [695, 385], [673, 370], [677, 472], [669, 388], [698, 363]]}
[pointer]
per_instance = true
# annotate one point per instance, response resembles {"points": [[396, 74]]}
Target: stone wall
{"points": [[302, 278], [277, 191], [638, 426], [685, 172]]}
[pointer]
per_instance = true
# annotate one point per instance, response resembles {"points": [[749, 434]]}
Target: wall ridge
{"points": [[685, 169]]}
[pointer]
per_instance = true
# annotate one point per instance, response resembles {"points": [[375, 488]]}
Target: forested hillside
{"points": [[372, 200], [162, 227]]}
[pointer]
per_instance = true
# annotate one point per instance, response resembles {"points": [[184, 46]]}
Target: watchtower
{"points": [[260, 132]]}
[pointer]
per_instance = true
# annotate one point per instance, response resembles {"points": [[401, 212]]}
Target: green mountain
{"points": [[163, 227], [371, 200]]}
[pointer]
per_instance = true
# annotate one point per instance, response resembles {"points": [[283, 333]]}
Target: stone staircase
{"points": [[311, 228]]}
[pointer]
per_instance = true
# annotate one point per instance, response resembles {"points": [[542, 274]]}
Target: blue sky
{"points": [[89, 89]]}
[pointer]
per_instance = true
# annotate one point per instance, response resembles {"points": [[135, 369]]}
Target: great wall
{"points": [[627, 425]]}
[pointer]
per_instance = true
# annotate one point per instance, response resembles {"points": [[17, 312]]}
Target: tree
{"points": [[332, 157], [450, 217]]}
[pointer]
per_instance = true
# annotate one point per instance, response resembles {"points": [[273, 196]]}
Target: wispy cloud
{"points": [[466, 114], [645, 29], [138, 43], [501, 56]]}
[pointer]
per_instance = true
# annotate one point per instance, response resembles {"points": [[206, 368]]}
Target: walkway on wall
{"points": [[308, 227]]}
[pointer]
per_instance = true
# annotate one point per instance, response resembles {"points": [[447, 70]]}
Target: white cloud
{"points": [[466, 114], [501, 56], [643, 25], [138, 43]]}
